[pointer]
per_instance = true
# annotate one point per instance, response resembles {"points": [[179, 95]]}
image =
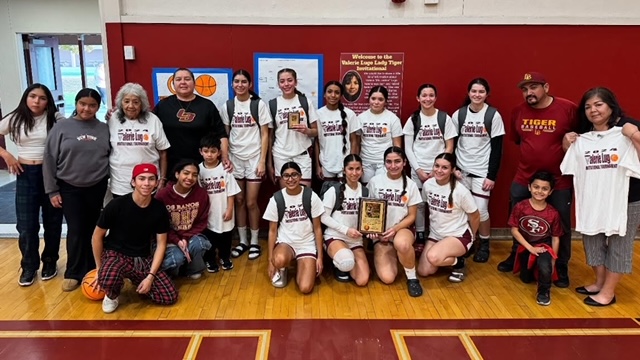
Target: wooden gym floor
{"points": [[238, 314]]}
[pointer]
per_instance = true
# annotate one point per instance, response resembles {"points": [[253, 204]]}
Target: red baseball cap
{"points": [[532, 77], [144, 168]]}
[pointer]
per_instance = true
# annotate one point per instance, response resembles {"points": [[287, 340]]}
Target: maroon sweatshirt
{"points": [[189, 215]]}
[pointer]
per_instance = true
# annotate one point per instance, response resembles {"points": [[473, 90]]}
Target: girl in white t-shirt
{"points": [[379, 129], [425, 144], [293, 233], [248, 148], [337, 134], [291, 143], [453, 219], [479, 151], [396, 243], [343, 241]]}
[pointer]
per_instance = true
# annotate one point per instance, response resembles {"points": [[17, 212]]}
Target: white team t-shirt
{"points": [[429, 142], [331, 139], [133, 143], [377, 132], [30, 146], [288, 142], [447, 219], [220, 185], [381, 187], [347, 217], [244, 135], [295, 228], [601, 163], [474, 145]]}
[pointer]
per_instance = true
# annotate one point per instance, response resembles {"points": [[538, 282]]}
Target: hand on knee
{"points": [[344, 260]]}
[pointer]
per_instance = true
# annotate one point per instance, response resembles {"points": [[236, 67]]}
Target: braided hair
{"points": [[343, 182], [451, 158], [398, 150], [343, 114]]}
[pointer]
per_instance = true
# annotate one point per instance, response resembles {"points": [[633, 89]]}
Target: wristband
{"points": [[153, 275]]}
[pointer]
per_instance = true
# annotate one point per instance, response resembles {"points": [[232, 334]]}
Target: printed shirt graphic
{"points": [[132, 143], [348, 216], [330, 137], [381, 187], [429, 141], [377, 132], [295, 227], [244, 137], [474, 145], [601, 163], [536, 225], [447, 219], [290, 143], [220, 185]]}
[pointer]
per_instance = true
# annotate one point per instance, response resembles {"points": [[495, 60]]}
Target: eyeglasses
{"points": [[293, 176]]}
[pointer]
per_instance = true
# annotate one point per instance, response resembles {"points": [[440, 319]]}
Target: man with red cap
{"points": [[133, 220], [538, 126]]}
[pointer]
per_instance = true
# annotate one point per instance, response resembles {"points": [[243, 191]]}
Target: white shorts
{"points": [[351, 244], [245, 169], [301, 251], [331, 175], [303, 160], [371, 170], [474, 184]]}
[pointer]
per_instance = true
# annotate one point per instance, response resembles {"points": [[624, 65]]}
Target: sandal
{"points": [[239, 250], [254, 251]]}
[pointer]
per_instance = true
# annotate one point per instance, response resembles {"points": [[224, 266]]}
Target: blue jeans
{"points": [[174, 258], [30, 198]]}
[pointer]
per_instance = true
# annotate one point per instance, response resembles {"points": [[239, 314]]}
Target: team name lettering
{"points": [[214, 185], [429, 133], [183, 216], [374, 130], [133, 139], [604, 159], [242, 121], [439, 203], [332, 129], [392, 196], [295, 214], [474, 130], [538, 125]]}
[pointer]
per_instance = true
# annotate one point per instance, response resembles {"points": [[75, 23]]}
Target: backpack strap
{"points": [[231, 108], [462, 116], [306, 202], [488, 119], [305, 106], [253, 107], [442, 121], [279, 204], [415, 120], [336, 204], [273, 107], [365, 191]]}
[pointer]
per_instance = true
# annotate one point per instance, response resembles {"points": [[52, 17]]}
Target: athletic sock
{"points": [[242, 231], [482, 237], [411, 273], [254, 237]]}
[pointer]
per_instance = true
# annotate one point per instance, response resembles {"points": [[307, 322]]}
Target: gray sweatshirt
{"points": [[77, 152]]}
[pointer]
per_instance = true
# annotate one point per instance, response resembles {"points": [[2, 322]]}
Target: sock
{"points": [[254, 237], [482, 237], [411, 273], [242, 231]]}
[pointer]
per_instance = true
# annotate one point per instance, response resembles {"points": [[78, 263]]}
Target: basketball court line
{"points": [[470, 347]]}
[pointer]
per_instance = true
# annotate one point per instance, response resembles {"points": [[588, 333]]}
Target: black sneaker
{"points": [[49, 270], [507, 264], [482, 254], [414, 287], [543, 298], [27, 277], [212, 267], [226, 264], [341, 276], [458, 271]]}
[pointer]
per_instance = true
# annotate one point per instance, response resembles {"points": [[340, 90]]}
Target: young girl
{"points": [[453, 219], [291, 145], [246, 118], [28, 126], [396, 243], [336, 134], [427, 133], [379, 129], [295, 231], [479, 150], [343, 241]]}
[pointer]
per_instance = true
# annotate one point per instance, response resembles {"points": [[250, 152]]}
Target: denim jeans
{"points": [[174, 258]]}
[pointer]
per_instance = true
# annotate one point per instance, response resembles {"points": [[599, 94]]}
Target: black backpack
{"points": [[306, 203], [488, 118], [273, 107], [253, 106], [442, 120]]}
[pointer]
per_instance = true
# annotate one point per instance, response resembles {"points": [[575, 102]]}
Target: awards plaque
{"points": [[294, 119], [372, 216]]}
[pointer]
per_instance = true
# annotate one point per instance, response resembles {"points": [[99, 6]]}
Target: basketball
{"points": [[87, 286], [206, 85]]}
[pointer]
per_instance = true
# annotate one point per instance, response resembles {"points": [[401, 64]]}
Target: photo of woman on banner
{"points": [[352, 82]]}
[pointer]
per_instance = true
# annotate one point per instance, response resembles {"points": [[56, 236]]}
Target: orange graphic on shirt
{"points": [[384, 130], [405, 198], [222, 183], [146, 137], [615, 158]]}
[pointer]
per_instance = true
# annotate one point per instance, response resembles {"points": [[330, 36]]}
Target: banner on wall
{"points": [[308, 67], [362, 71], [213, 84]]}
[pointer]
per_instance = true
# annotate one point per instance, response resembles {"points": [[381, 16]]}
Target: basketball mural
{"points": [[213, 84]]}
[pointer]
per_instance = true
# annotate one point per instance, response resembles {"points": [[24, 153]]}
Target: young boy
{"points": [[537, 227], [221, 187]]}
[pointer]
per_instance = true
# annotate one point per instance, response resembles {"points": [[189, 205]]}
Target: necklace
{"points": [[183, 114]]}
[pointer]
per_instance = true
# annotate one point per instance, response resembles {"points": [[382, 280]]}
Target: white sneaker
{"points": [[108, 305], [279, 280], [195, 276]]}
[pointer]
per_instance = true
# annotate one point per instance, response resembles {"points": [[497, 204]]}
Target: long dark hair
{"points": [[398, 150], [246, 74], [415, 117], [608, 97], [451, 158], [340, 197], [22, 119], [295, 77], [476, 81], [87, 92], [343, 114], [382, 90]]}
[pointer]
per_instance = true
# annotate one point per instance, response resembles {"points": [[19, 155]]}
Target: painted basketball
{"points": [[206, 85], [87, 286]]}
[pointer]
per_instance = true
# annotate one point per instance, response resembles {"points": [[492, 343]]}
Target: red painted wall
{"points": [[573, 58]]}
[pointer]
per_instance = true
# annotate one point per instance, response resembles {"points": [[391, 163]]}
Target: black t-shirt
{"points": [[132, 228], [634, 184], [185, 123]]}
